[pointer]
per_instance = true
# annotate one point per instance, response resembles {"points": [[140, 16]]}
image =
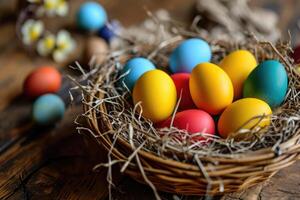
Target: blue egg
{"points": [[48, 109], [135, 68], [188, 54], [91, 16], [268, 82], [107, 32]]}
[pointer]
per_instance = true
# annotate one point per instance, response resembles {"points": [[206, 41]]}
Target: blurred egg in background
{"points": [[41, 81], [91, 16], [48, 109]]}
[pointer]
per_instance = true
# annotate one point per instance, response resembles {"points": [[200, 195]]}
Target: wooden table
{"points": [[56, 162]]}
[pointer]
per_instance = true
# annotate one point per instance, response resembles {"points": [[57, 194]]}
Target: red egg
{"points": [[193, 120], [181, 81], [296, 55], [41, 81]]}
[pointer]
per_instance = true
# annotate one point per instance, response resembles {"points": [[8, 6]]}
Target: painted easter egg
{"points": [[96, 51], [41, 81], [48, 109], [188, 54], [296, 54], [193, 121], [238, 66], [211, 88], [181, 81], [241, 114], [107, 32], [268, 82], [157, 94], [91, 16], [134, 69]]}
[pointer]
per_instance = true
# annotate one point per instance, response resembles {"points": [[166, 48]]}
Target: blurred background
{"points": [[56, 163], [129, 13]]}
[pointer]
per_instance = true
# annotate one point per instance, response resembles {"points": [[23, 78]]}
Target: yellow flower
{"points": [[31, 31], [46, 45], [64, 46], [55, 7]]}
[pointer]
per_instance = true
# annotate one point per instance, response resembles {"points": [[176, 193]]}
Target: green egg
{"points": [[268, 82]]}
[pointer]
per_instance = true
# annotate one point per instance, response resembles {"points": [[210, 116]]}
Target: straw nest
{"points": [[183, 166]]}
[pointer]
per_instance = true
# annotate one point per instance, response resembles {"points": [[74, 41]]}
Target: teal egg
{"points": [[48, 109], [268, 82]]}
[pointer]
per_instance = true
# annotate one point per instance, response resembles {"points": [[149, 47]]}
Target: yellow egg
{"points": [[210, 88], [241, 114], [238, 66], [157, 93]]}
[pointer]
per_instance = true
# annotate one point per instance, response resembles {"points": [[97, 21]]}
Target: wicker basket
{"points": [[210, 175]]}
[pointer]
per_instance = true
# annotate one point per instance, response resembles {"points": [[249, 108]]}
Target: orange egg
{"points": [[41, 81]]}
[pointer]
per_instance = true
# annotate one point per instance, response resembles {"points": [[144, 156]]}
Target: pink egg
{"points": [[181, 81], [193, 120]]}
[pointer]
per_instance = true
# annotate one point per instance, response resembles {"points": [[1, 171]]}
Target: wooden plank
{"points": [[52, 163]]}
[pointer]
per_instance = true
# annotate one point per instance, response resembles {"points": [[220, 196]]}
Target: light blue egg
{"points": [[268, 82], [48, 109], [91, 16], [135, 68], [188, 54]]}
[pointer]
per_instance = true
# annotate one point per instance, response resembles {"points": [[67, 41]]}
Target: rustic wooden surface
{"points": [[56, 162]]}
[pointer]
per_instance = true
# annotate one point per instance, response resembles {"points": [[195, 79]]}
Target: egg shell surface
{"points": [[240, 114], [48, 109], [91, 16], [107, 32], [181, 81], [157, 93], [268, 82], [97, 49], [238, 66], [41, 81], [211, 88], [296, 54], [193, 121], [135, 68], [188, 54]]}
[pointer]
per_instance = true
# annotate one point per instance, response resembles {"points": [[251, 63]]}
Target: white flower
{"points": [[46, 45], [55, 7], [64, 46], [31, 31]]}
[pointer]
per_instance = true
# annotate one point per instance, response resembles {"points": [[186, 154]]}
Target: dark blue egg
{"points": [[91, 16], [48, 109], [268, 82], [107, 32]]}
